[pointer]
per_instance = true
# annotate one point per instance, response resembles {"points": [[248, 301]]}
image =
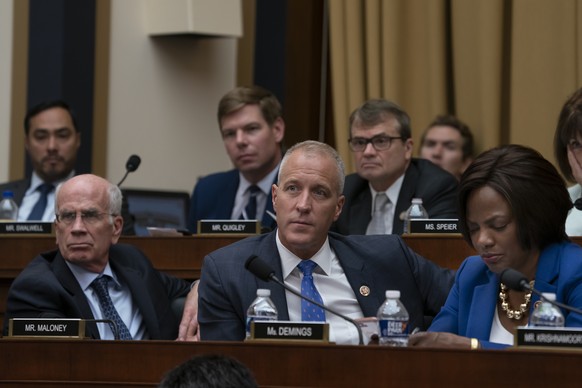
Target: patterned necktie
{"points": [[40, 206], [310, 312], [107, 308], [251, 208], [378, 223]]}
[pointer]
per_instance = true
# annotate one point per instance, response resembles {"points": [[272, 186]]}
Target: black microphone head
{"points": [[132, 163], [259, 268], [514, 280], [578, 204]]}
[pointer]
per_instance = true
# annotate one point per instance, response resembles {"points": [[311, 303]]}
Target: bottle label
{"points": [[393, 328]]}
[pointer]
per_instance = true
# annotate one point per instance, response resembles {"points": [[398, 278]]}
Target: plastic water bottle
{"points": [[546, 314], [415, 211], [8, 208], [393, 321], [262, 309]]}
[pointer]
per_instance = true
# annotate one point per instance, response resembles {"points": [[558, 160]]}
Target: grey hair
{"points": [[115, 199], [312, 147]]}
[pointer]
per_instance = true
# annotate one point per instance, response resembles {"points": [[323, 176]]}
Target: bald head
{"points": [[87, 222]]}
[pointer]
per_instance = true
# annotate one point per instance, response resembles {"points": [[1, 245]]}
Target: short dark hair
{"points": [[461, 127], [250, 95], [209, 371], [527, 181], [569, 125], [46, 105], [376, 111]]}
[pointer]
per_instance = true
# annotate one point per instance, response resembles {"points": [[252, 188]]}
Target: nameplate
{"points": [[545, 337], [26, 227], [229, 227], [434, 226], [46, 328], [289, 331]]}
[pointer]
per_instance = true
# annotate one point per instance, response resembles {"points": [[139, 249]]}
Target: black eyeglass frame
{"points": [[372, 141]]}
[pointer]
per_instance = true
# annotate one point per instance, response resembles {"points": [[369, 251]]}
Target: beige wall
{"points": [[6, 10], [163, 94]]}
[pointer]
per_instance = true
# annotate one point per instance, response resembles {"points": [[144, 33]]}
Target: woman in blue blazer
{"points": [[513, 208]]}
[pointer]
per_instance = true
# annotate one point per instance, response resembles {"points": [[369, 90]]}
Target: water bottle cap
{"points": [[417, 200], [263, 292], [8, 194], [393, 294], [549, 296]]}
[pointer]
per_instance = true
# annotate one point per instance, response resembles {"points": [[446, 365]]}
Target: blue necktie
{"points": [[40, 206], [251, 208], [108, 309], [310, 312]]}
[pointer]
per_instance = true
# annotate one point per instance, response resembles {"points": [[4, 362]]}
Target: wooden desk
{"points": [[50, 363], [178, 256], [182, 256]]}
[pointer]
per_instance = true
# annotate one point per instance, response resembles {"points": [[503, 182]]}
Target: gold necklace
{"points": [[514, 314]]}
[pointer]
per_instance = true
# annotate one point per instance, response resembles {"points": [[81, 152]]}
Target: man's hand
{"points": [[189, 325]]}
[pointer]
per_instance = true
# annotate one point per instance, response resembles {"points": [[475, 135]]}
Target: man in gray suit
{"points": [[380, 138], [351, 273]]}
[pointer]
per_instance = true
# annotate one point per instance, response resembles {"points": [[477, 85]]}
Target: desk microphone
{"points": [[262, 270], [515, 280], [130, 166]]}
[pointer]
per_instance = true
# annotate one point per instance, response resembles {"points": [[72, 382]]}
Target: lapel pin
{"points": [[365, 290]]}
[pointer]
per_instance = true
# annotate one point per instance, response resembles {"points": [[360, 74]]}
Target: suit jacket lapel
{"points": [[483, 305], [359, 276], [70, 283], [268, 221], [405, 197], [268, 251], [225, 197], [361, 211]]}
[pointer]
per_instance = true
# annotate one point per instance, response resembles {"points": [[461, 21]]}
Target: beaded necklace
{"points": [[514, 314]]}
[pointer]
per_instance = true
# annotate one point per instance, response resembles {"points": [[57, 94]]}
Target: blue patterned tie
{"points": [[107, 308], [310, 312], [40, 205], [251, 208]]}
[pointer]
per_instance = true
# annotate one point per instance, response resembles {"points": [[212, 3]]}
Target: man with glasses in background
{"points": [[90, 276], [388, 177]]}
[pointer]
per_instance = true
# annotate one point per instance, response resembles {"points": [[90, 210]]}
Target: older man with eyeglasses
{"points": [[388, 177], [90, 276]]}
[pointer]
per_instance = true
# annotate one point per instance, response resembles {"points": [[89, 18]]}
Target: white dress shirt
{"points": [[392, 193], [32, 195], [332, 284], [574, 220], [242, 195], [121, 298]]}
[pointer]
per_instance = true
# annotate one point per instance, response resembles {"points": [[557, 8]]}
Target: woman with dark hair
{"points": [[513, 207], [568, 152]]}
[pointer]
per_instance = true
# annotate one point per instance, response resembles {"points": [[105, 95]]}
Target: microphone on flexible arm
{"points": [[515, 280], [130, 166], [260, 269]]}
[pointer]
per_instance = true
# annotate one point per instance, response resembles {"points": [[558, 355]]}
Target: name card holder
{"points": [[289, 331], [230, 227], [47, 328], [26, 228], [434, 226], [557, 338]]}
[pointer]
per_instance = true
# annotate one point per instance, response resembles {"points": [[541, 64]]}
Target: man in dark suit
{"points": [[90, 277], [252, 130], [52, 140], [352, 273], [380, 138]]}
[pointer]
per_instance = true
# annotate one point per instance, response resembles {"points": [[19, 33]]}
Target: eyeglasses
{"points": [[379, 142], [88, 217]]}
